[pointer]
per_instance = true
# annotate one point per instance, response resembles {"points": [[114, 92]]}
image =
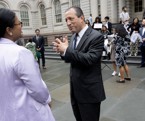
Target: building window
{"points": [[58, 15], [99, 8], [138, 5], [24, 15], [43, 14], [118, 14], [76, 3]]}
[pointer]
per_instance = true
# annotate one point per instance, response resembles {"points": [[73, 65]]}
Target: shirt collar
{"points": [[6, 41], [81, 33]]}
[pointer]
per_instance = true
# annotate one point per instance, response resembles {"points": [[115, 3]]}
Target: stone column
{"points": [[143, 4], [114, 14], [49, 18], [103, 9], [94, 8], [121, 4], [64, 6]]}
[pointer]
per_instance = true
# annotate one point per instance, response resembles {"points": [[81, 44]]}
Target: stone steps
{"points": [[130, 62], [51, 54]]}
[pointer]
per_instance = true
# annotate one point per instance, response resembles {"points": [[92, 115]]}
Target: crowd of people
{"points": [[132, 41], [36, 46], [26, 94]]}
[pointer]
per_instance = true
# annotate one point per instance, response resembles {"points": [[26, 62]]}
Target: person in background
{"points": [[108, 24], [105, 33], [32, 47], [134, 28], [121, 49], [88, 22], [97, 21], [84, 54], [142, 46], [90, 19], [112, 53], [23, 94], [39, 41], [124, 16]]}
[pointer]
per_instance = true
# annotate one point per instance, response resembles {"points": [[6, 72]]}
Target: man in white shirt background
{"points": [[108, 24], [90, 19], [124, 16]]}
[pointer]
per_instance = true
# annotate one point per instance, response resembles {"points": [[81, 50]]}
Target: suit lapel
{"points": [[141, 32], [84, 38]]}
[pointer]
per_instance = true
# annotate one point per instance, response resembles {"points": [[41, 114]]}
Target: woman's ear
{"points": [[9, 31]]}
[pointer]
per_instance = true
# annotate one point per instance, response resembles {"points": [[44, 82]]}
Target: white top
{"points": [[90, 20], [124, 16], [106, 24], [23, 94], [143, 31]]}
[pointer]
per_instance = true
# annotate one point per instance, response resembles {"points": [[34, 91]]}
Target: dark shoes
{"points": [[120, 81], [123, 81], [127, 78]]}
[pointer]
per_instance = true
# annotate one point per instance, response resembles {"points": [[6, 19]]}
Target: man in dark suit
{"points": [[84, 54], [108, 24], [39, 41], [142, 47]]}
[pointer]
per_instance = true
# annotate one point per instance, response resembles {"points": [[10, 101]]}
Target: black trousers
{"points": [[86, 111], [43, 58], [142, 55]]}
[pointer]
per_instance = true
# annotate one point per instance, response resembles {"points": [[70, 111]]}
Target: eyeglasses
{"points": [[20, 23]]}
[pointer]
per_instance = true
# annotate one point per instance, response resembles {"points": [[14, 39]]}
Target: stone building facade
{"points": [[48, 15]]}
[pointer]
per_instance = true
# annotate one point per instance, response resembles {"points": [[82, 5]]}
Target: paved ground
{"points": [[125, 102]]}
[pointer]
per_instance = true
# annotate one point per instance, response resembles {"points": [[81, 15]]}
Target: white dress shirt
{"points": [[80, 34], [90, 20], [106, 24], [23, 94], [124, 16], [143, 31]]}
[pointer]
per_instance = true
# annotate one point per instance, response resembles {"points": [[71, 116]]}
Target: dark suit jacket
{"points": [[142, 35], [85, 71], [40, 43], [110, 27]]}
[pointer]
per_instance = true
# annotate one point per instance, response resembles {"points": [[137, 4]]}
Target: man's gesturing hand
{"points": [[60, 46]]}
